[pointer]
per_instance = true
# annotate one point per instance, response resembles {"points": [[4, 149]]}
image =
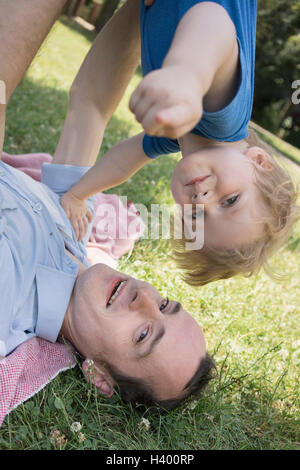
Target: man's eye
{"points": [[143, 335], [164, 305], [230, 201]]}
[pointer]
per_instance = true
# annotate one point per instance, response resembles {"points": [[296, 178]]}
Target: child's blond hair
{"points": [[279, 195]]}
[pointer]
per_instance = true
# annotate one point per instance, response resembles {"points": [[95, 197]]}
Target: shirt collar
{"points": [[54, 289]]}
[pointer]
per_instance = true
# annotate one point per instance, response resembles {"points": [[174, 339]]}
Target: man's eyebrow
{"points": [[154, 342]]}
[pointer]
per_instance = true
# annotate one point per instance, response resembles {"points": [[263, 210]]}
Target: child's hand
{"points": [[78, 213], [168, 102]]}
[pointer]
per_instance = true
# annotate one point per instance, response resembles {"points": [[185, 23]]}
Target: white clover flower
{"points": [[144, 424], [192, 405], [75, 427], [209, 417], [81, 437]]}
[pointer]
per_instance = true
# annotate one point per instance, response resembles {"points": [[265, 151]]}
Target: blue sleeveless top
{"points": [[158, 26]]}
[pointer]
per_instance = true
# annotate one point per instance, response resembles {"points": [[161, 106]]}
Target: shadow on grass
{"points": [[89, 35], [35, 118]]}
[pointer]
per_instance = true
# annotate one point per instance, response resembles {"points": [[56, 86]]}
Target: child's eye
{"points": [[143, 335], [230, 201], [164, 305]]}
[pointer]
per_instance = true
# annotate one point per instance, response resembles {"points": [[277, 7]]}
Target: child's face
{"points": [[223, 180]]}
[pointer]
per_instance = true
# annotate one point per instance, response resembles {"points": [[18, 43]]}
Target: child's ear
{"points": [[99, 376], [261, 157]]}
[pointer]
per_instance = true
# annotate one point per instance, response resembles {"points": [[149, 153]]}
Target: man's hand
{"points": [[78, 213], [168, 102], [148, 3]]}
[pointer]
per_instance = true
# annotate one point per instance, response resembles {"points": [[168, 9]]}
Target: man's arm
{"points": [[23, 27], [99, 87], [202, 62]]}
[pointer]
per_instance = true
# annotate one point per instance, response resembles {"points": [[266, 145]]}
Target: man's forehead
{"points": [[176, 361], [179, 336]]}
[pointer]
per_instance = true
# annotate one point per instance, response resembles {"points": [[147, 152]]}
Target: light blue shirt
{"points": [[36, 276]]}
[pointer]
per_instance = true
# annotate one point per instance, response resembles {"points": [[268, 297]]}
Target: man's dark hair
{"points": [[137, 392]]}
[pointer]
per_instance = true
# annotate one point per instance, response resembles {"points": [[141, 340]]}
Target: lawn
{"points": [[251, 325]]}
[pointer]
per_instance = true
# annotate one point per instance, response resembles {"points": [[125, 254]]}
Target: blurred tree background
{"points": [[277, 59], [277, 67]]}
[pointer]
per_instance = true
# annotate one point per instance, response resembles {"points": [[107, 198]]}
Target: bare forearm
{"points": [[99, 87], [82, 135], [23, 27], [115, 167]]}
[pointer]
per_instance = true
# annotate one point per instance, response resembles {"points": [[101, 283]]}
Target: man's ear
{"points": [[261, 157], [99, 376]]}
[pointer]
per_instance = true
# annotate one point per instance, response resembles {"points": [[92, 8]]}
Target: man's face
{"points": [[136, 330], [223, 180]]}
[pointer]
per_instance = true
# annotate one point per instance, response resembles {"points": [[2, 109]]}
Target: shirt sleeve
{"points": [[156, 146], [60, 178]]}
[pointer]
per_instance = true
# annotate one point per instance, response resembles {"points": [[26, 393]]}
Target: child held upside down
{"points": [[196, 96]]}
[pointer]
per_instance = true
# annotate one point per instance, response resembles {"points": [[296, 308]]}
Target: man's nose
{"points": [[145, 303]]}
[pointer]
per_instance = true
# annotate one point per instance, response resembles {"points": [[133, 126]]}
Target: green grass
{"points": [[251, 325], [286, 149]]}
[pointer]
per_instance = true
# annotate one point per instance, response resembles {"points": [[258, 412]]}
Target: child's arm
{"points": [[99, 87], [202, 62], [116, 166]]}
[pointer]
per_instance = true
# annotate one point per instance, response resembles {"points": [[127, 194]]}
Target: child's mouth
{"points": [[198, 179]]}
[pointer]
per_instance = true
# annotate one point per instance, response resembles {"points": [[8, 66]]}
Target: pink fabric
{"points": [[28, 369], [112, 236], [34, 363], [30, 163]]}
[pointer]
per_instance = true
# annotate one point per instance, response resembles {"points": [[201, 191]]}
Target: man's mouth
{"points": [[114, 290], [199, 179]]}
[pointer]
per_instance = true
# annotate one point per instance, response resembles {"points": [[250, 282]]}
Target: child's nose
{"points": [[200, 197]]}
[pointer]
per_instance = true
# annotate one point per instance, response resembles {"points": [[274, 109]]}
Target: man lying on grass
{"points": [[148, 345]]}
